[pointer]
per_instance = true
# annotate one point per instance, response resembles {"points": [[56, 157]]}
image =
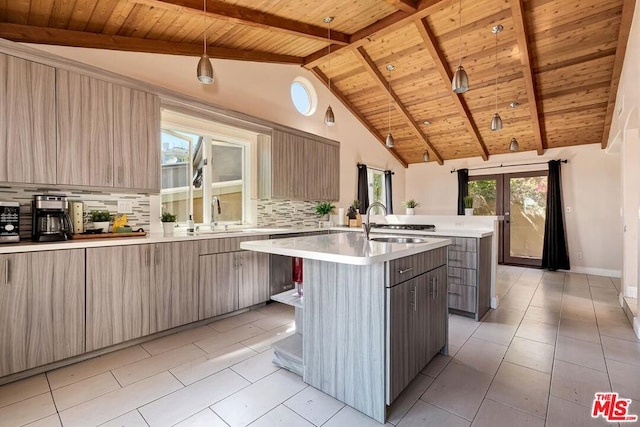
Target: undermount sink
{"points": [[399, 239]]}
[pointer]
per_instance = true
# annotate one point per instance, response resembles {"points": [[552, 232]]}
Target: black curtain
{"points": [[363, 188], [387, 190], [463, 188], [554, 251]]}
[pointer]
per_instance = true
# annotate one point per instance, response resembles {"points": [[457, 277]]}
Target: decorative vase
{"points": [[468, 211], [168, 227], [411, 211], [102, 224]]}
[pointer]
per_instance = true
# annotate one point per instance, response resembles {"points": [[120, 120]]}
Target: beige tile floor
{"points": [[536, 361]]}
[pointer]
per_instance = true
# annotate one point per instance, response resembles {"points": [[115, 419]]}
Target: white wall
{"points": [[261, 90], [624, 137], [591, 187]]}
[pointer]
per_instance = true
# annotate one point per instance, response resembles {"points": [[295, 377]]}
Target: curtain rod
{"points": [[373, 167], [507, 166]]}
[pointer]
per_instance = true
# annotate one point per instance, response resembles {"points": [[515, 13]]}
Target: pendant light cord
{"points": [[496, 67], [460, 32], [205, 27], [329, 55]]}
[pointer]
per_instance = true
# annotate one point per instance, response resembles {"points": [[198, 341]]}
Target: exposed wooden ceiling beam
{"points": [[384, 26], [336, 92], [628, 7], [445, 73], [53, 36], [407, 6], [250, 17], [520, 26], [382, 83]]}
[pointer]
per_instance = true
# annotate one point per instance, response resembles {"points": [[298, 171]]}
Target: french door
{"points": [[522, 199]]}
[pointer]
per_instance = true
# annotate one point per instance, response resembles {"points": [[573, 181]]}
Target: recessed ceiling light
{"points": [[514, 104], [391, 67], [426, 123], [328, 20]]}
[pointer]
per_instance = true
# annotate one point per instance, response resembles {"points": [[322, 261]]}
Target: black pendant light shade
{"points": [[329, 118], [205, 70], [513, 146], [460, 82]]}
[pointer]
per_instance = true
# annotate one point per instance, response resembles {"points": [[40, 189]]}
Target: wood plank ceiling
{"points": [[559, 59]]}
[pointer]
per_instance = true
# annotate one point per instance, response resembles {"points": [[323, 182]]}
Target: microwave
{"points": [[9, 222]]}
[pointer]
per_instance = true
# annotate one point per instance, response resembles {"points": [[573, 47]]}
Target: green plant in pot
{"points": [[323, 209], [168, 222], [353, 209], [101, 220], [410, 206], [468, 205]]}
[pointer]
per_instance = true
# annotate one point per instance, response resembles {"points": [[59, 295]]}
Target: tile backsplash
{"points": [[286, 213], [92, 200]]}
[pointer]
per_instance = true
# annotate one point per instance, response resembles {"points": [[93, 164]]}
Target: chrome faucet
{"points": [[215, 204], [368, 225]]}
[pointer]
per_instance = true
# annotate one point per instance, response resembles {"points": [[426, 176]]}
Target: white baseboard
{"points": [[621, 299], [636, 326], [494, 302], [596, 271]]}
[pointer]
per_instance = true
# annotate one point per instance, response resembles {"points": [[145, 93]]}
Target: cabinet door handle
{"points": [[7, 271], [405, 270], [415, 298]]}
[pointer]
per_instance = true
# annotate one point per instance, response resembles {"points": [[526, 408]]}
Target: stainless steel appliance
{"points": [[50, 218], [9, 222]]}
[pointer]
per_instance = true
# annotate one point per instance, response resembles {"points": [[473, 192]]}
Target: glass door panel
{"points": [[525, 200], [484, 190]]}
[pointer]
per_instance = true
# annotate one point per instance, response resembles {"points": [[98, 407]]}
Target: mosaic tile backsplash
{"points": [[92, 201], [286, 213]]}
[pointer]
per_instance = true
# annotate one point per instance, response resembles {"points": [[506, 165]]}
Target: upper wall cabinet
{"points": [[85, 130], [296, 167], [27, 121], [137, 139], [108, 135]]}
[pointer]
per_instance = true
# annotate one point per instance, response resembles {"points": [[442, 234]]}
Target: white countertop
{"points": [[343, 248], [180, 236]]}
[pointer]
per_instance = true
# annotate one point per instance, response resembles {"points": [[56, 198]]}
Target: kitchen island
{"points": [[373, 313]]}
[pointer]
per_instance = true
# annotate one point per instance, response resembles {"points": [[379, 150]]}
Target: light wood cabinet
{"points": [[297, 167], [41, 308], [117, 286], [231, 281], [27, 121], [174, 285], [85, 130], [137, 139]]}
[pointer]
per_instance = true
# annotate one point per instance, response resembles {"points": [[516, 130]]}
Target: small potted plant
{"points": [[323, 209], [354, 214], [168, 223], [101, 220], [411, 205], [468, 205]]}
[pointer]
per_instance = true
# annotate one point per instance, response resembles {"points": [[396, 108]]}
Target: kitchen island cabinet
{"points": [[373, 314], [27, 121], [41, 308]]}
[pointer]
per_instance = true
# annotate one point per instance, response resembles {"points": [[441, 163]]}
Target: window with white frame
{"points": [[375, 178], [203, 160]]}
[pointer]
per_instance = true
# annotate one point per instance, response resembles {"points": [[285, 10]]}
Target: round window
{"points": [[304, 96]]}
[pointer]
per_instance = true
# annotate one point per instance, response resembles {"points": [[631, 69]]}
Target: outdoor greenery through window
{"points": [[376, 189], [198, 163]]}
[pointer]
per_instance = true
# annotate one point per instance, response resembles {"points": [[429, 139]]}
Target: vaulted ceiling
{"points": [[559, 59]]}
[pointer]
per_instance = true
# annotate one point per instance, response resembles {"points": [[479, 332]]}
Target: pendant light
{"points": [[205, 70], [460, 81], [425, 156], [496, 121], [389, 141], [329, 118], [513, 146]]}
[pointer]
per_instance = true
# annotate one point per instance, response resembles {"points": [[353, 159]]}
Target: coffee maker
{"points": [[50, 218]]}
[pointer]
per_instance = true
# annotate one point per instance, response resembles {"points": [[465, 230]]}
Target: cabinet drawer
{"points": [[464, 244], [462, 276], [463, 259], [462, 297], [225, 244], [403, 269]]}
